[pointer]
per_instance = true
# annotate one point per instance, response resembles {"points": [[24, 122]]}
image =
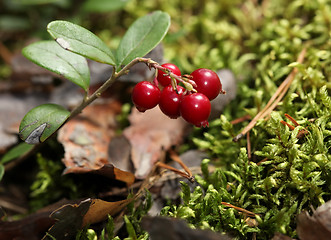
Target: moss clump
{"points": [[284, 174], [295, 175]]}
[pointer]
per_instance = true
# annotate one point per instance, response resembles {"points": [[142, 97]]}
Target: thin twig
{"points": [[274, 100], [241, 119], [301, 132], [291, 119], [174, 156], [251, 214]]}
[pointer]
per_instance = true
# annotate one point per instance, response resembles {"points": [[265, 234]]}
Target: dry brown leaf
{"points": [[107, 170], [72, 217], [86, 137], [119, 153], [317, 226], [33, 226], [99, 210], [151, 133]]}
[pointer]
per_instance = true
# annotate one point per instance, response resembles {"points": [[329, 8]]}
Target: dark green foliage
{"points": [[49, 185]]}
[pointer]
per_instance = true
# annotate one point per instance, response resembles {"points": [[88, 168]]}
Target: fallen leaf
{"points": [[32, 227], [86, 137], [72, 217], [68, 219], [317, 226], [99, 210], [119, 151], [149, 134], [160, 228], [107, 170]]}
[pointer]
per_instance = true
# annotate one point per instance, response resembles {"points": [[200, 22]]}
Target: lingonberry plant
{"points": [[191, 101], [67, 57]]}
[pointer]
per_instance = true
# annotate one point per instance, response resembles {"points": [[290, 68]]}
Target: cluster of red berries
{"points": [[174, 100]]}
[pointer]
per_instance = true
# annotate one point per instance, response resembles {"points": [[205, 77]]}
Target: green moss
{"points": [[49, 185], [260, 44]]}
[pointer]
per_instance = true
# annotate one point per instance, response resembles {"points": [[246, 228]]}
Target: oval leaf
{"points": [[49, 55], [81, 41], [142, 36], [41, 122]]}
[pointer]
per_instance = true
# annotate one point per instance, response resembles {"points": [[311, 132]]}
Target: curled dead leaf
{"points": [[107, 170], [72, 217]]}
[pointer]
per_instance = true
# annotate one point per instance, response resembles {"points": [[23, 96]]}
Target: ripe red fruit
{"points": [[208, 82], [145, 95], [170, 101], [195, 108], [166, 80]]}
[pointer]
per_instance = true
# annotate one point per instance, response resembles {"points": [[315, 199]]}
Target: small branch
{"points": [[89, 99], [241, 119], [174, 156], [274, 100], [251, 214], [301, 132], [187, 174]]}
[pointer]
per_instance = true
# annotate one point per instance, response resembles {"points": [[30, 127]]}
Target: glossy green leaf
{"points": [[104, 5], [142, 36], [16, 152], [79, 40], [49, 55], [41, 122]]}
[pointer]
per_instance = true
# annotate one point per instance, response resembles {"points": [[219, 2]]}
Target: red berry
{"points": [[170, 101], [208, 82], [145, 95], [195, 108], [166, 80]]}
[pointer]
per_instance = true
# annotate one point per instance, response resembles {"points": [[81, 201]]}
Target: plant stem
{"points": [[152, 64], [115, 75]]}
